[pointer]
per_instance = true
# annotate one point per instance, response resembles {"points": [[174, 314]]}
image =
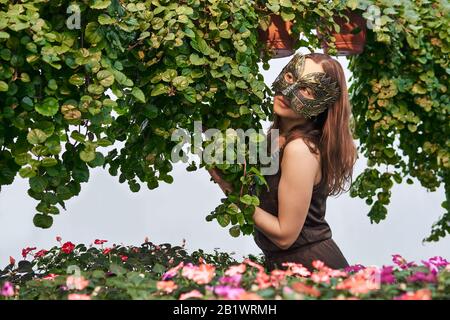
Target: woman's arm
{"points": [[299, 168]]}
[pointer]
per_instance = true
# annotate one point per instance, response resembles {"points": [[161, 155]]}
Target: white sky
{"points": [[108, 210]]}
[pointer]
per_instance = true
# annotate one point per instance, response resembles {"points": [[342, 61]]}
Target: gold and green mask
{"points": [[324, 90]]}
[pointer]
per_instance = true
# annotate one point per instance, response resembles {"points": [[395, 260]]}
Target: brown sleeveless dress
{"points": [[314, 241]]}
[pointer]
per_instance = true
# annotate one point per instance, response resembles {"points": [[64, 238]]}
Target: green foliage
{"points": [[170, 63], [401, 101]]}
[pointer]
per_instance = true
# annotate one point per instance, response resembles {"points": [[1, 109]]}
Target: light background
{"points": [[108, 210]]}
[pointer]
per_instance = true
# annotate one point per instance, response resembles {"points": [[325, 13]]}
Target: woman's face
{"points": [[281, 104]]}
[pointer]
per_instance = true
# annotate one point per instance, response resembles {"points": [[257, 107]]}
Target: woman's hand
{"points": [[226, 186]]}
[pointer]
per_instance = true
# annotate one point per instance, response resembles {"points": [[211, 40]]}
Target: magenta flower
{"points": [[386, 275], [422, 277], [354, 268], [435, 263], [7, 290], [401, 262]]}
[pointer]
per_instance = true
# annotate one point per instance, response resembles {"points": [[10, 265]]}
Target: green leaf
{"points": [[38, 184], [77, 79], [159, 89], [286, 3], [43, 221], [106, 78], [27, 172], [3, 86], [235, 231], [81, 174], [180, 83], [4, 35], [93, 33], [250, 200], [138, 94], [104, 19], [87, 156], [184, 10], [224, 220], [49, 162], [49, 107], [100, 4], [36, 136], [196, 60]]}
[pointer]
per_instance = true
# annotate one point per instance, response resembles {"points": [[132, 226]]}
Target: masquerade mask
{"points": [[291, 84]]}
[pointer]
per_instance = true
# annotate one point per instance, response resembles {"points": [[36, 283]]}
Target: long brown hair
{"points": [[329, 132]]}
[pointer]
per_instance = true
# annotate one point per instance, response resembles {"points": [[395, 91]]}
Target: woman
{"points": [[316, 155]]}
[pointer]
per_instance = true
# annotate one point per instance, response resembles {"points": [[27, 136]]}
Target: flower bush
{"points": [[100, 271]]}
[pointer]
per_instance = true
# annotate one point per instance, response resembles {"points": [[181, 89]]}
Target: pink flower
{"points": [[320, 277], [249, 296], [305, 289], [317, 264], [297, 269], [401, 262], [435, 263], [362, 282], [254, 264], [237, 269], [166, 286], [200, 274], [263, 280], [277, 276], [58, 238], [124, 258], [7, 289], [12, 261], [100, 242], [191, 294], [76, 283], [324, 273], [50, 276], [228, 292], [26, 251], [68, 247], [233, 281], [172, 272], [421, 294], [107, 251], [40, 253], [76, 296]]}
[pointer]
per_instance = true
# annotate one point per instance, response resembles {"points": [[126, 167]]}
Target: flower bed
{"points": [[70, 271]]}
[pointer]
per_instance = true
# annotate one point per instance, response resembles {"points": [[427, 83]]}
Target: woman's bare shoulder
{"points": [[298, 150]]}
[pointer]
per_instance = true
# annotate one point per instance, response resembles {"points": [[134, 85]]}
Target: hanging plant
{"points": [[349, 37], [171, 63], [277, 35]]}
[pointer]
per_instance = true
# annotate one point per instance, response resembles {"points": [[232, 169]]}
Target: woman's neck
{"points": [[286, 124]]}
